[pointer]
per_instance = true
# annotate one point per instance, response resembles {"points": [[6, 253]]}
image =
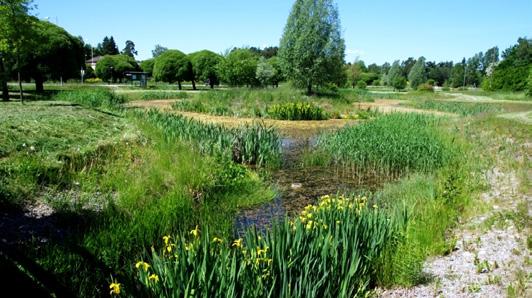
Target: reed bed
{"points": [[297, 111], [253, 144], [460, 108], [390, 145]]}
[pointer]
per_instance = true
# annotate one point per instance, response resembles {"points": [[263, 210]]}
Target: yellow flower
{"points": [[115, 288], [154, 278], [189, 246], [170, 247], [237, 243], [262, 251], [217, 240], [309, 225], [166, 239], [375, 206], [195, 232], [143, 265]]}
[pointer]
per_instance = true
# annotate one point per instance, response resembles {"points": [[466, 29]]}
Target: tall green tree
{"points": [[16, 36], [490, 57], [355, 71], [417, 75], [458, 74], [239, 68], [129, 49], [173, 66], [512, 72], [111, 68], [265, 72], [107, 47], [312, 49], [205, 64], [395, 77], [56, 55], [147, 65], [158, 50]]}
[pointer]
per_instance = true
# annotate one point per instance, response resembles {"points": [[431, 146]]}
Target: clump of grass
{"points": [[147, 95], [93, 98], [330, 250], [297, 111], [391, 144], [461, 108], [254, 144]]}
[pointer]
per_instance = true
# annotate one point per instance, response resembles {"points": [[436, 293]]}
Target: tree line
{"points": [[310, 55]]}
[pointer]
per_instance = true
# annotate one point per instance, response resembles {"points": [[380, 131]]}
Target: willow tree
{"points": [[312, 48], [417, 74]]}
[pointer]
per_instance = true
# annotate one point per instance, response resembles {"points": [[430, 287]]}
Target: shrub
{"points": [[93, 98], [362, 85], [425, 87], [399, 83], [331, 250], [297, 111], [431, 82], [93, 80]]}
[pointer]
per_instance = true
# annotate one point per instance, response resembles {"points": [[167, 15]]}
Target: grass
{"points": [[152, 94], [92, 98], [259, 102], [253, 144], [391, 144], [41, 145], [297, 111], [331, 250], [460, 108]]}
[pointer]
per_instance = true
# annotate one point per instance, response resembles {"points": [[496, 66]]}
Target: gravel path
{"points": [[491, 258]]}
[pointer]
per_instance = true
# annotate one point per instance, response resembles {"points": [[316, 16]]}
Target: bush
{"points": [[361, 85], [93, 98], [297, 111], [399, 83], [425, 87], [431, 82], [93, 80], [529, 91]]}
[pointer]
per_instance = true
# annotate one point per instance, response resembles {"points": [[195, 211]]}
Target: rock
{"points": [[296, 185]]}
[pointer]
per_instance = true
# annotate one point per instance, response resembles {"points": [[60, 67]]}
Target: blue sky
{"points": [[376, 31]]}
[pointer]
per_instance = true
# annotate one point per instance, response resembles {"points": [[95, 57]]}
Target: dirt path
{"points": [[394, 105], [491, 257]]}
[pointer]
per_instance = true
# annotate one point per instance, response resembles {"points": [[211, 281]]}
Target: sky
{"points": [[375, 31]]}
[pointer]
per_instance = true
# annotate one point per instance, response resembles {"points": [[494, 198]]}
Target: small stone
{"points": [[296, 185]]}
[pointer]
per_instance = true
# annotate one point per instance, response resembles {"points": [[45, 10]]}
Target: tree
{"points": [[512, 72], [158, 51], [267, 52], [129, 49], [457, 74], [173, 66], [395, 77], [312, 48], [111, 68], [56, 55], [205, 64], [354, 72], [265, 72], [16, 36], [278, 76], [239, 68], [147, 65], [107, 47], [406, 66], [491, 57], [417, 76]]}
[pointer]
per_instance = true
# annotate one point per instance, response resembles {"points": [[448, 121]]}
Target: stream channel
{"points": [[298, 186]]}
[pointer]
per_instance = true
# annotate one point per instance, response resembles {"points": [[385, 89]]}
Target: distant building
{"points": [[92, 62]]}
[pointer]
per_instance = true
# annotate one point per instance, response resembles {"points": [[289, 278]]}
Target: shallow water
{"points": [[300, 186]]}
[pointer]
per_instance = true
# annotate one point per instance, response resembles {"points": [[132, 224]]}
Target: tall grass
{"points": [[253, 144], [461, 108], [391, 144], [297, 111], [331, 250], [93, 98]]}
